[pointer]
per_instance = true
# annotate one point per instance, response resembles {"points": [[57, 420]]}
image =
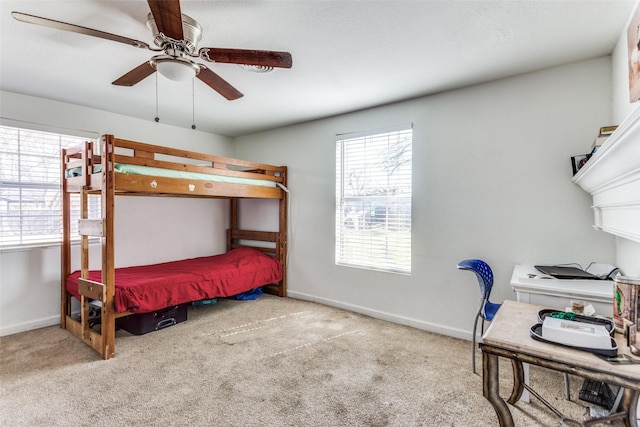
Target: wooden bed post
{"points": [[233, 221], [65, 248], [282, 244], [233, 214], [108, 326]]}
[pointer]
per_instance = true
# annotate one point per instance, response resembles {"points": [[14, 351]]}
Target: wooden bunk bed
{"points": [[139, 169]]}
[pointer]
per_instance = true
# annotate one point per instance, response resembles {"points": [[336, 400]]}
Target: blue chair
{"points": [[487, 309]]}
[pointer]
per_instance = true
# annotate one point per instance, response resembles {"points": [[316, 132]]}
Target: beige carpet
{"points": [[269, 362]]}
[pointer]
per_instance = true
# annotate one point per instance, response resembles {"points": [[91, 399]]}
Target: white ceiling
{"points": [[347, 55]]}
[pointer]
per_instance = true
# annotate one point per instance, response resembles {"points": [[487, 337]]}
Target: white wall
{"points": [[148, 230], [492, 180], [627, 252]]}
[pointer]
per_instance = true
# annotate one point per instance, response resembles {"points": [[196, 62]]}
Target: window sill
{"points": [[34, 246]]}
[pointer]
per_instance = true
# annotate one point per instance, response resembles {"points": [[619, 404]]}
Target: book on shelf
{"points": [[603, 134], [597, 142], [607, 130]]}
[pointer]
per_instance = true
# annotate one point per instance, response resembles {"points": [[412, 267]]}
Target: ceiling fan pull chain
{"points": [[157, 119], [193, 104]]}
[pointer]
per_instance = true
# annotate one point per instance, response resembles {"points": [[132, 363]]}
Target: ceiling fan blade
{"points": [[266, 58], [135, 76], [218, 84], [59, 25], [168, 17]]}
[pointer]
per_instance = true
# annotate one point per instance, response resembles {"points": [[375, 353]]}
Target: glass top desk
{"points": [[508, 337]]}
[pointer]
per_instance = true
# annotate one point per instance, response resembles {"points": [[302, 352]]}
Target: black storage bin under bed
{"points": [[140, 324]]}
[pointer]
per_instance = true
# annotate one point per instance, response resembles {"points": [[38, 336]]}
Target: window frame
{"points": [[73, 137], [395, 206]]}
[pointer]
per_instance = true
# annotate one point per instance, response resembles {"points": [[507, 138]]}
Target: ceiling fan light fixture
{"points": [[176, 69]]}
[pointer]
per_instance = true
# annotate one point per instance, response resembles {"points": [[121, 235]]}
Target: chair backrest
{"points": [[483, 273]]}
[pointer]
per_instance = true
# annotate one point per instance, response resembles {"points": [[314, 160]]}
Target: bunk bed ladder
{"points": [[104, 340], [82, 158]]}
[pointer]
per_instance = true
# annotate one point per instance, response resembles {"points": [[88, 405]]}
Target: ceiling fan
{"points": [[176, 36]]}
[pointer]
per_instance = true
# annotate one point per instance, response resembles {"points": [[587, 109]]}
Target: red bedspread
{"points": [[148, 288]]}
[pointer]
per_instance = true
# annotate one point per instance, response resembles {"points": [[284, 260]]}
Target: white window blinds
{"points": [[373, 200], [30, 196]]}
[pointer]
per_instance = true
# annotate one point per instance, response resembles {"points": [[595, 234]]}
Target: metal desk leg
{"points": [[629, 404], [518, 381], [525, 394], [491, 388]]}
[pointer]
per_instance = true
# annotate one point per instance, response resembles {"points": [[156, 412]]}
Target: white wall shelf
{"points": [[612, 177]]}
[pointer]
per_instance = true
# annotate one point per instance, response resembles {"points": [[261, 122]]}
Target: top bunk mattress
{"points": [[172, 173], [144, 289]]}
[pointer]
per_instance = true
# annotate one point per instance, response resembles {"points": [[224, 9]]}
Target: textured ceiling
{"points": [[347, 55]]}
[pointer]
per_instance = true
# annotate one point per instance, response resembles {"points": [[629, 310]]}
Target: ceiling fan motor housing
{"points": [[192, 33]]}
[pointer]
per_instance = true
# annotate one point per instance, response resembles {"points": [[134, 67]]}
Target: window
{"points": [[373, 200], [30, 196]]}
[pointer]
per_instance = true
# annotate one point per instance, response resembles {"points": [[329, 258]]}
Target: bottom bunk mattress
{"points": [[143, 289]]}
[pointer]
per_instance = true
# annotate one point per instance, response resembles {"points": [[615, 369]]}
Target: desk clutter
{"points": [[587, 333], [603, 292], [598, 392]]}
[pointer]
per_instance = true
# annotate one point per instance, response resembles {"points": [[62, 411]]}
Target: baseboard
{"points": [[383, 315], [30, 325]]}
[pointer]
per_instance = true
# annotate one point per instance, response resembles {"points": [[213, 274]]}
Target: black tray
{"points": [[536, 334], [584, 319]]}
